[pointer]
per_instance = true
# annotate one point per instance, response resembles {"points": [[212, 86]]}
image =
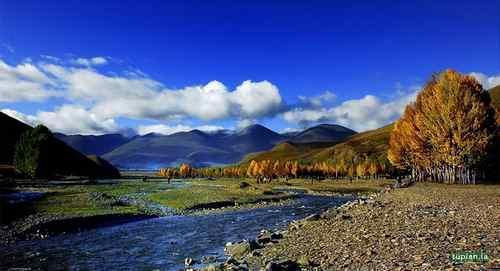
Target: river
{"points": [[157, 243]]}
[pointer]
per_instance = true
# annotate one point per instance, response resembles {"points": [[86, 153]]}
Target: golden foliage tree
{"points": [[446, 134], [185, 170]]}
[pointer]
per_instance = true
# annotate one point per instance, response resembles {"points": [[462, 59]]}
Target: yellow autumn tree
{"points": [[185, 170], [446, 135]]}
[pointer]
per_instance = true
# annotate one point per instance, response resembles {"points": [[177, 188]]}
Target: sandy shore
{"points": [[416, 228]]}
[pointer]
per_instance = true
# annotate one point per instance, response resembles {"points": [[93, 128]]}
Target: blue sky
{"points": [[356, 64]]}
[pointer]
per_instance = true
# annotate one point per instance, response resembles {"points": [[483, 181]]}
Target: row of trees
{"points": [[268, 170], [184, 171], [446, 135]]}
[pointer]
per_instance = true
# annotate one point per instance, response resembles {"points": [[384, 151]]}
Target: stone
{"points": [[276, 235], [188, 261], [213, 267], [244, 185], [346, 217], [272, 266], [303, 260], [241, 249], [208, 259], [286, 265]]}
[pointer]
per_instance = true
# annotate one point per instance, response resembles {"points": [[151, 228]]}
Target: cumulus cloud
{"points": [[94, 61], [24, 82], [168, 130], [487, 81], [75, 119], [68, 119], [369, 112], [140, 97]]}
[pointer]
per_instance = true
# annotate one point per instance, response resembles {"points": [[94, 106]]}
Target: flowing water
{"points": [[158, 243]]}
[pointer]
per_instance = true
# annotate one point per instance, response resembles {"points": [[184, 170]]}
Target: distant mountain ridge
{"points": [[217, 148], [92, 144], [323, 133], [195, 147]]}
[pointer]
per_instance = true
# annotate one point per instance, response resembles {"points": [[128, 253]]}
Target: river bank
{"points": [[49, 208], [415, 228]]}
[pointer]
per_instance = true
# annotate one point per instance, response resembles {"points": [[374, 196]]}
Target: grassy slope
{"points": [[289, 151], [372, 143]]}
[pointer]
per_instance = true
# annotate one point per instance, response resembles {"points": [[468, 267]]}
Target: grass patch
{"points": [[203, 192], [77, 204], [77, 200]]}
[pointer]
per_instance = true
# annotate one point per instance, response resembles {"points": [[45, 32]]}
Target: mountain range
{"points": [[93, 144], [195, 147]]}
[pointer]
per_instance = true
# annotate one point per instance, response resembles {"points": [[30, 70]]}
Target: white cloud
{"points": [[167, 130], [27, 119], [488, 82], [74, 119], [319, 100], [362, 114], [94, 61], [141, 97], [67, 119], [24, 82], [98, 98], [243, 123], [256, 99]]}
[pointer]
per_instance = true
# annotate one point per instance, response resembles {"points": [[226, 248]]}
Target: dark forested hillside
{"points": [[64, 160]]}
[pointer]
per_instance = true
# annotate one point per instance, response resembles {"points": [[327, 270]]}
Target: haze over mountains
{"points": [[198, 148]]}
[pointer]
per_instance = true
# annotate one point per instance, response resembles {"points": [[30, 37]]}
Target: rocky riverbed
{"points": [[415, 228]]}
